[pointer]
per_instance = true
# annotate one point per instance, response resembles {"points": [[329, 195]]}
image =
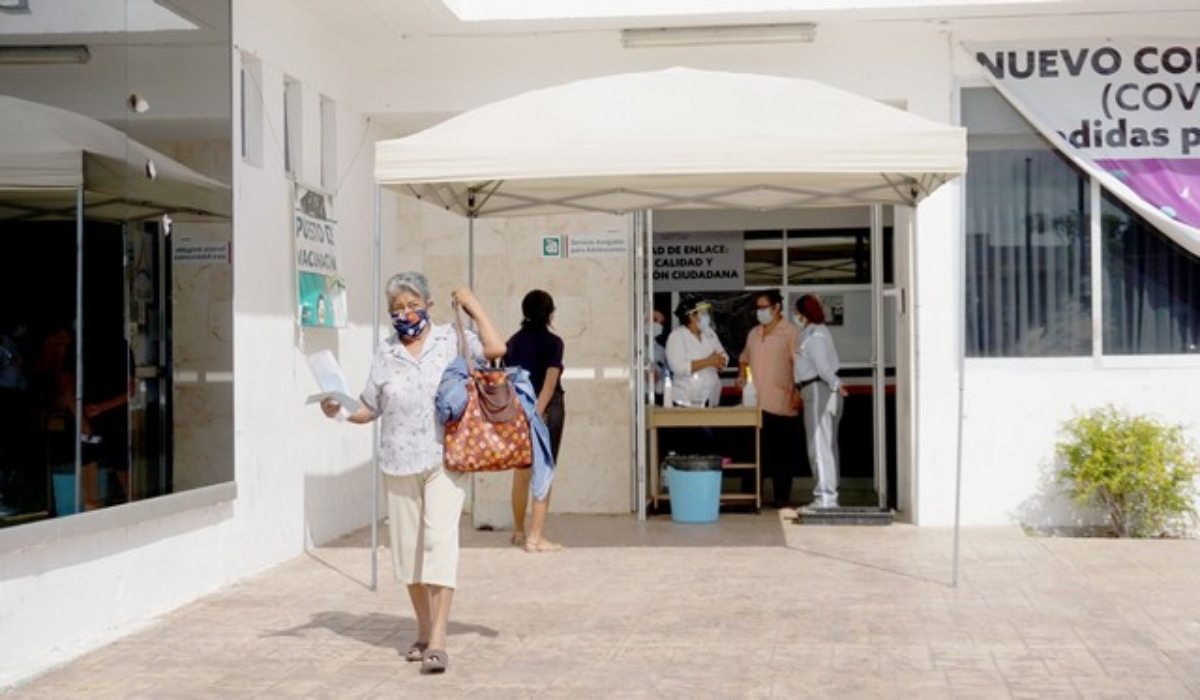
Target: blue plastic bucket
{"points": [[64, 490], [695, 495], [64, 494]]}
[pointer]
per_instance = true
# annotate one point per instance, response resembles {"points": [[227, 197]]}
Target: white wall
{"points": [[1012, 409], [1012, 416], [71, 584], [301, 477]]}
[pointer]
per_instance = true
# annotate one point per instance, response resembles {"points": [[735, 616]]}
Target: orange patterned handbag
{"points": [[493, 432]]}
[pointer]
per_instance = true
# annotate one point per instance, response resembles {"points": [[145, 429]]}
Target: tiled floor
{"points": [[752, 606]]}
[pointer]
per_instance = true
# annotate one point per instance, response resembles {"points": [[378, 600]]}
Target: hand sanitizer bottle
{"points": [[749, 393], [667, 398]]}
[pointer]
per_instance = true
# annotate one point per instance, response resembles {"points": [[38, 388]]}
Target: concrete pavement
{"points": [[752, 606]]}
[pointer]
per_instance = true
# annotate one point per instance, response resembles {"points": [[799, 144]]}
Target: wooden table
{"points": [[720, 417]]}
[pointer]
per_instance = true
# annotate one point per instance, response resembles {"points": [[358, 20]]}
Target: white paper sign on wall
{"points": [[200, 252], [602, 245], [694, 262]]}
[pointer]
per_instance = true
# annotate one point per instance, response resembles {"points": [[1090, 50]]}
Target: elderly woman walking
{"points": [[424, 501]]}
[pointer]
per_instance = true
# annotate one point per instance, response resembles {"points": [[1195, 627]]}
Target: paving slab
{"points": [[751, 606]]}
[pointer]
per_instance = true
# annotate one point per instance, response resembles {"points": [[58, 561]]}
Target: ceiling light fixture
{"points": [[32, 55], [656, 37]]}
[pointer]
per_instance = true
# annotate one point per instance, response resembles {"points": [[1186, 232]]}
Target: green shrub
{"points": [[1141, 471]]}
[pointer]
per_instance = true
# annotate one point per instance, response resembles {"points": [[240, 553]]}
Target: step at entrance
{"points": [[845, 515]]}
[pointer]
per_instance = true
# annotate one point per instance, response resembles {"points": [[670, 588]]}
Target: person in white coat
{"points": [[816, 368], [695, 356]]}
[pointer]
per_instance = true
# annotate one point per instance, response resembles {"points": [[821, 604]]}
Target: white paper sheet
{"points": [[328, 373]]}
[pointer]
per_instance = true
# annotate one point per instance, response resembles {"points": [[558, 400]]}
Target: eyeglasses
{"points": [[768, 306], [410, 306]]}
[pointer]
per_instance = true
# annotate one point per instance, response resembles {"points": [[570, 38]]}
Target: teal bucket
{"points": [[64, 494], [64, 490], [695, 495]]}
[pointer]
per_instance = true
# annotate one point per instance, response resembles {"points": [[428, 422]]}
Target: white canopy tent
{"points": [[675, 139], [49, 156]]}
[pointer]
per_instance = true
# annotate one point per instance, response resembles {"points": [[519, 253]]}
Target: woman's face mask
{"points": [[410, 324], [656, 329], [764, 316], [800, 321], [704, 321]]}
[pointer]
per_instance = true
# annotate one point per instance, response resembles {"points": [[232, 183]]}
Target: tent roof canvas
{"points": [[46, 153], [674, 139]]}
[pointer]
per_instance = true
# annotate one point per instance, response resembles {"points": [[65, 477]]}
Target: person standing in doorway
{"points": [[822, 392], [108, 384], [53, 382], [424, 500], [695, 355], [767, 361], [539, 351]]}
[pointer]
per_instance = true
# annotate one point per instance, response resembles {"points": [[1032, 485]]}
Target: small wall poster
{"points": [[321, 290]]}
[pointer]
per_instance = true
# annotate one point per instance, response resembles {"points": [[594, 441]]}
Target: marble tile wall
{"points": [[592, 298], [202, 335]]}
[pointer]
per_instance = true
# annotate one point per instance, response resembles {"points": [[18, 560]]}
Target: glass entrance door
{"points": [[844, 256], [84, 387], [149, 406]]}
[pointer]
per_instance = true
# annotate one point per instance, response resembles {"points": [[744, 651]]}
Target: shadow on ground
{"points": [[375, 629]]}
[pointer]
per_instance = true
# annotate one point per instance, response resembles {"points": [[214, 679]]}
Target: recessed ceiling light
{"points": [[719, 35], [33, 55]]}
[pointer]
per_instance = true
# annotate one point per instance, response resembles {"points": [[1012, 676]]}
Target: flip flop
{"points": [[435, 661], [416, 652], [541, 546]]}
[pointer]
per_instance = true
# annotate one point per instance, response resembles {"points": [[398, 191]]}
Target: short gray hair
{"points": [[411, 281]]}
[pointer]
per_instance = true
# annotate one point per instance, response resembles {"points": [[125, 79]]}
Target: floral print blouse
{"points": [[400, 392]]}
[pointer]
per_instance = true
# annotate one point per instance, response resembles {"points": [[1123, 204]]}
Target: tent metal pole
{"points": [[376, 284], [642, 291], [131, 372], [471, 284], [879, 361], [961, 306], [471, 252]]}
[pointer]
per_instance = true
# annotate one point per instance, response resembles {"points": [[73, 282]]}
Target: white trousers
{"points": [[822, 413], [424, 511]]}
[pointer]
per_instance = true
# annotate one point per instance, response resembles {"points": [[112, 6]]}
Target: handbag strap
{"points": [[462, 338], [463, 348]]}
